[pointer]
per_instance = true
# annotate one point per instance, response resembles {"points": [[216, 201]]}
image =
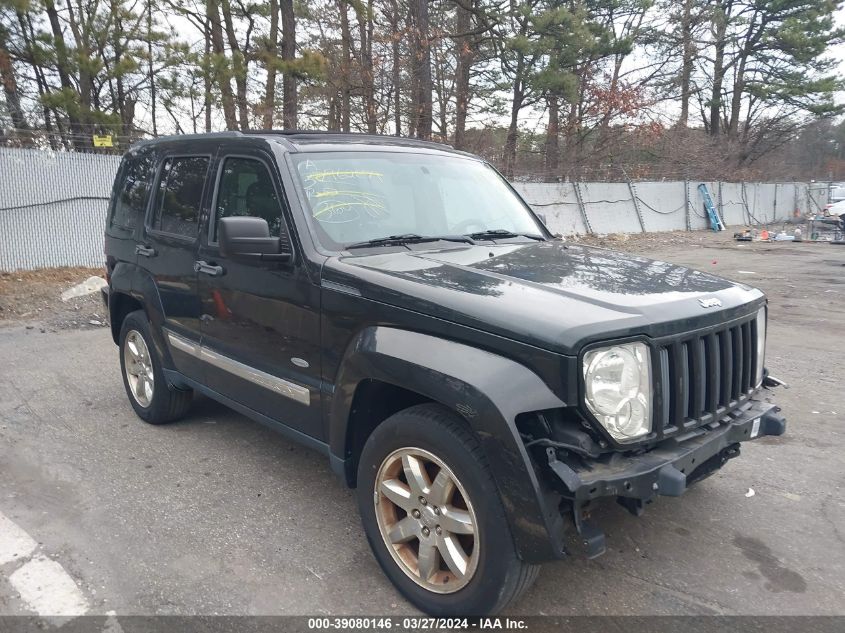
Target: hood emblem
{"points": [[710, 302]]}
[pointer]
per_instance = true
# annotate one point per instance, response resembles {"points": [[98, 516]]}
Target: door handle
{"points": [[146, 251], [208, 269]]}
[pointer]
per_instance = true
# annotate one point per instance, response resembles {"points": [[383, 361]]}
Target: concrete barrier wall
{"points": [[53, 206]]}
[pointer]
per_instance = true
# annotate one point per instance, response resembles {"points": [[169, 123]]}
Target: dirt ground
{"points": [[34, 297]]}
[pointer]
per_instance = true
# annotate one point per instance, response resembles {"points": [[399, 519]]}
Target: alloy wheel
{"points": [[426, 520], [139, 368]]}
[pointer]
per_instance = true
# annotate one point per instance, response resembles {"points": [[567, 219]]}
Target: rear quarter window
{"points": [[132, 191]]}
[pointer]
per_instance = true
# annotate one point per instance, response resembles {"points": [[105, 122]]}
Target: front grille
{"points": [[700, 378]]}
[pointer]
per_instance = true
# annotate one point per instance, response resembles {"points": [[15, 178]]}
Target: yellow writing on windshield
{"points": [[344, 205], [333, 193], [338, 173]]}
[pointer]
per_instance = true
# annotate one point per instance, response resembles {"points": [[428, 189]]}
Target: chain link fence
{"points": [[53, 206]]}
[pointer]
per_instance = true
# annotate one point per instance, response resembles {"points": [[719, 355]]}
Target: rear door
{"points": [[128, 204], [168, 251], [260, 322]]}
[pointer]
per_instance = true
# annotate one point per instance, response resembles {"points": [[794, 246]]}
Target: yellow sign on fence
{"points": [[103, 141]]}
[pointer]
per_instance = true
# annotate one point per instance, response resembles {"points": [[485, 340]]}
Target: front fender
{"points": [[488, 391]]}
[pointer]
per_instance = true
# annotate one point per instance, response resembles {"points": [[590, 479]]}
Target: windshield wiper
{"points": [[409, 238], [492, 234]]}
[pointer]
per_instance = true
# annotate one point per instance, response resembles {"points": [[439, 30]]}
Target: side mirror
{"points": [[248, 239], [542, 218]]}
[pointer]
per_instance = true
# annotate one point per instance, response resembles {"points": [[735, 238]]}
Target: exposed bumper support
{"points": [[666, 470]]}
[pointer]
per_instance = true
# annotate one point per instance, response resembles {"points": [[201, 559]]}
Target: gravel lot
{"points": [[218, 515]]}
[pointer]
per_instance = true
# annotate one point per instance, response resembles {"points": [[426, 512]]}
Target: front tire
{"points": [[432, 515], [149, 394]]}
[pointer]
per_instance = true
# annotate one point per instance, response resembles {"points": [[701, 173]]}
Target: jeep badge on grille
{"points": [[710, 302]]}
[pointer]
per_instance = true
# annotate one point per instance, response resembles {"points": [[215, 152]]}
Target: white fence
{"points": [[53, 206], [608, 207]]}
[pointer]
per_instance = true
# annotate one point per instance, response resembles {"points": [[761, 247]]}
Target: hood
{"points": [[553, 295]]}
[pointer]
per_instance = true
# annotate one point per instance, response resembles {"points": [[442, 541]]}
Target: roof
{"points": [[295, 140]]}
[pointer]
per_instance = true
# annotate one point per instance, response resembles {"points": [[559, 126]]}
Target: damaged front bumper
{"points": [[668, 469]]}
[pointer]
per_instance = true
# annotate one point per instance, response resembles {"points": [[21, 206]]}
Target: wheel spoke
{"points": [[428, 561], [442, 488], [133, 369], [398, 493], [453, 555], [133, 348], [456, 521], [416, 475], [140, 386], [403, 531]]}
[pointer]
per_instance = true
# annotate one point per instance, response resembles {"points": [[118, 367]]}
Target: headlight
{"points": [[761, 346], [617, 382]]}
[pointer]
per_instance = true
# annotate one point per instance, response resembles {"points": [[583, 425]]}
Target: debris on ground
{"points": [[750, 493], [87, 287]]}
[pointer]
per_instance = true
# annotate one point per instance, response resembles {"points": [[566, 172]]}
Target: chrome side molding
{"points": [[281, 386]]}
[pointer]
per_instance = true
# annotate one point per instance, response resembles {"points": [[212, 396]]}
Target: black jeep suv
{"points": [[395, 305]]}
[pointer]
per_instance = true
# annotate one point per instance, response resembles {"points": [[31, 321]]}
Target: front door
{"points": [[260, 322]]}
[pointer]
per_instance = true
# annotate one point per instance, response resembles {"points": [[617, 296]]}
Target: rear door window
{"points": [[179, 195], [131, 200]]}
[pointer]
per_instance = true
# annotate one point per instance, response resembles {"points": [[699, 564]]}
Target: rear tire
{"points": [[410, 522], [149, 394]]}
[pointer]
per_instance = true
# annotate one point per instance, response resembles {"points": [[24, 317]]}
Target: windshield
{"points": [[355, 197]]}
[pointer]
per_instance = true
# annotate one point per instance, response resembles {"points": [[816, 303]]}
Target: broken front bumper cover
{"points": [[666, 470]]}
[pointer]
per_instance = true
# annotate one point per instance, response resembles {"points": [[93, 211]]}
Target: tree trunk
{"points": [[421, 68], [239, 64], [123, 109], [396, 70], [365, 30], [462, 74], [272, 54], [85, 78], [509, 156], [150, 74], [226, 96], [551, 150], [736, 98], [604, 125], [687, 63], [289, 96], [346, 46], [28, 34], [721, 26], [10, 89], [62, 59], [207, 76]]}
